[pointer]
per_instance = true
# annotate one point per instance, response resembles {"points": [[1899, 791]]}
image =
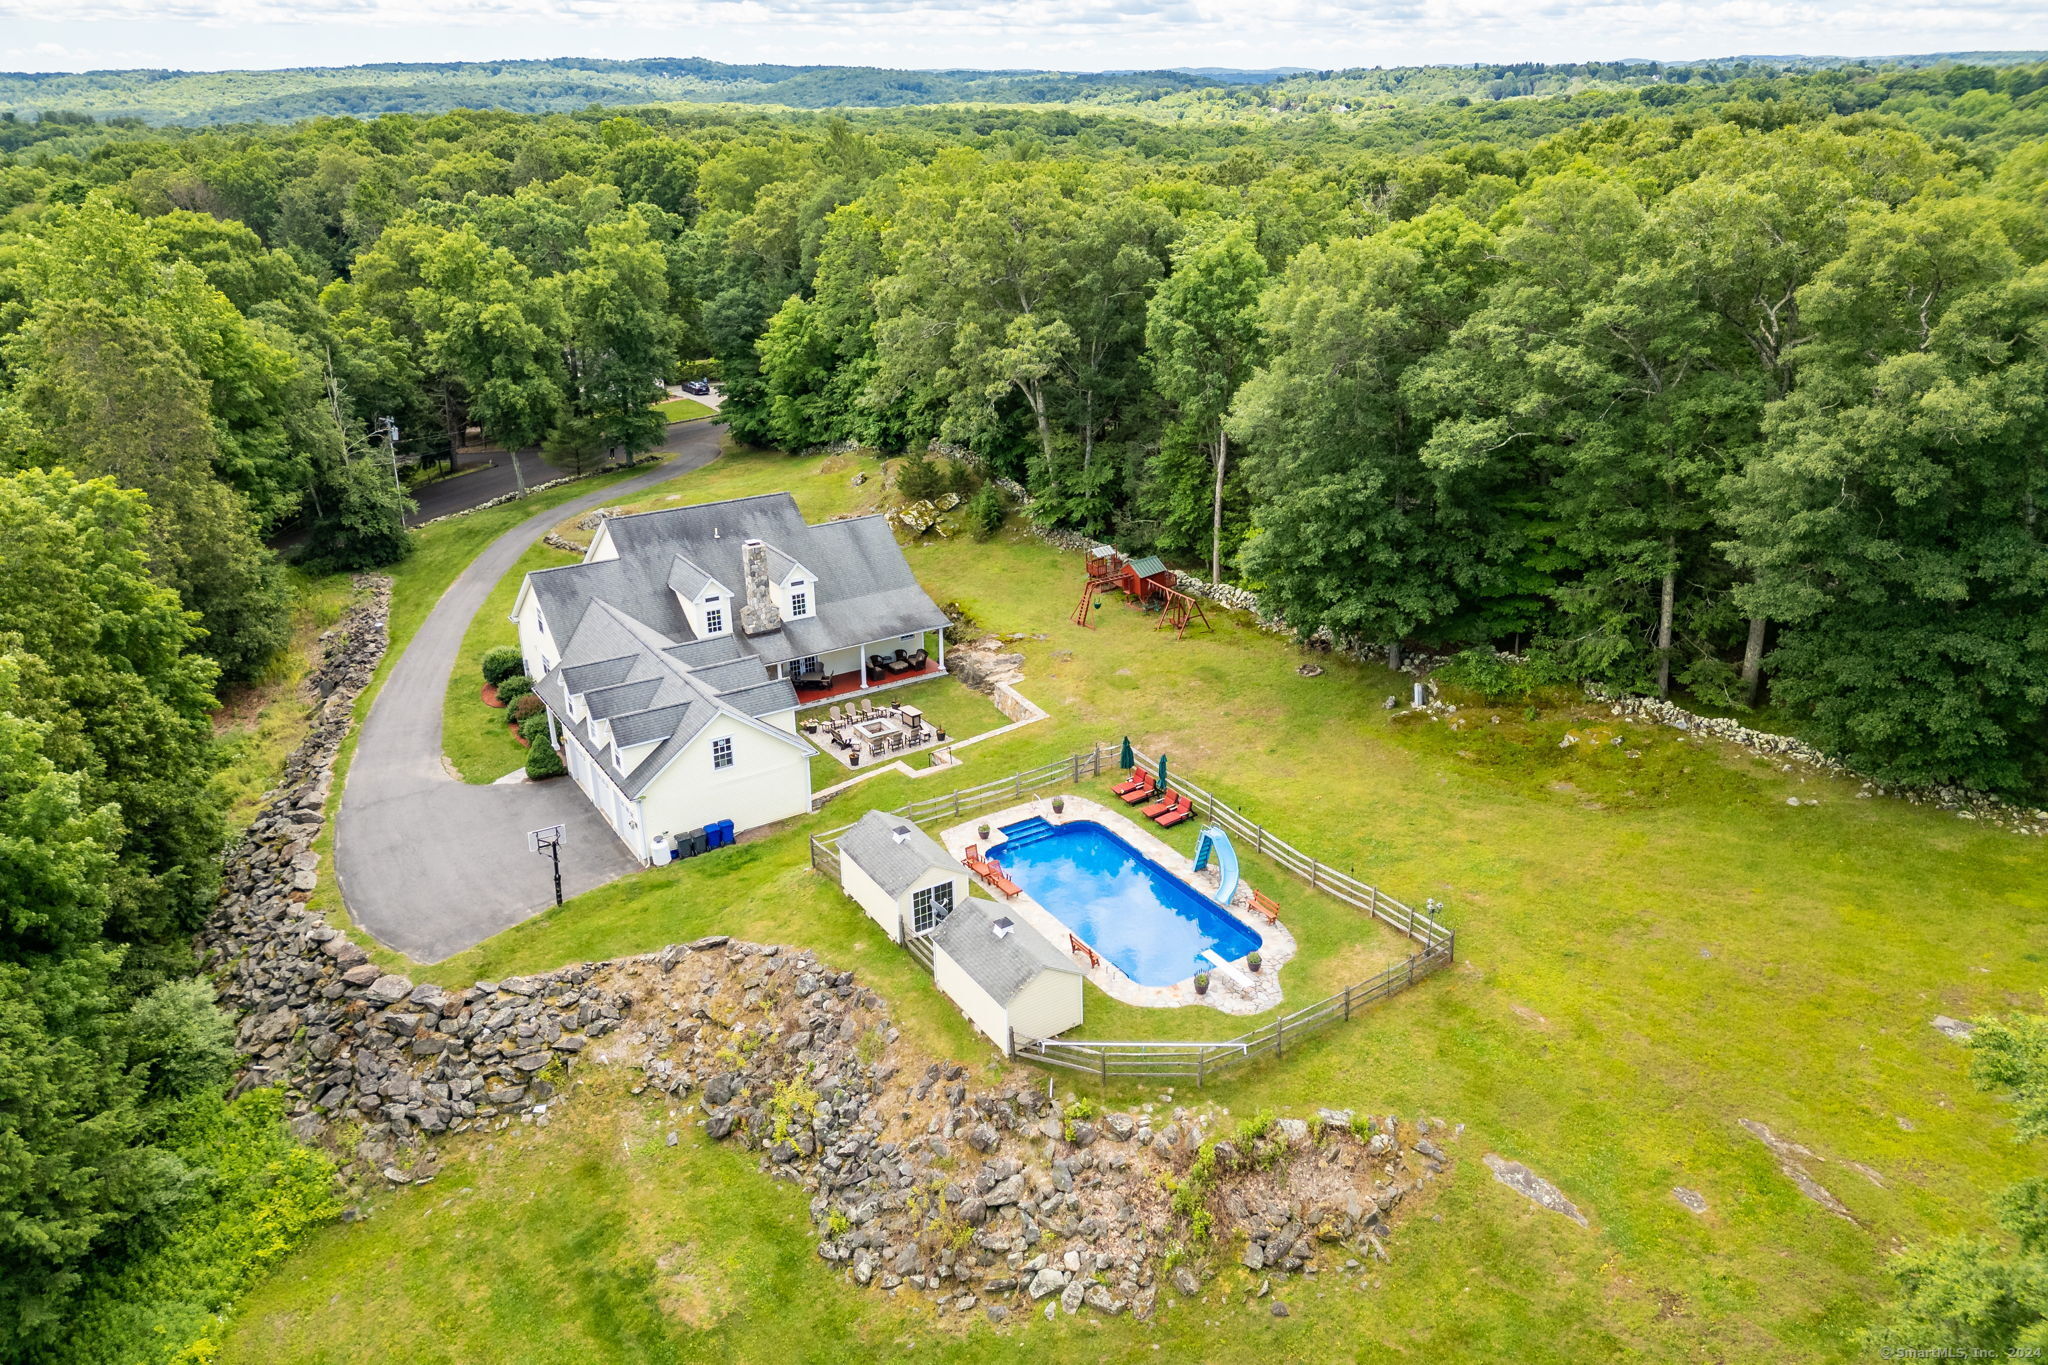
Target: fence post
{"points": [[1102, 1054], [1347, 1004], [1279, 1037], [1314, 868], [1201, 1060], [956, 805]]}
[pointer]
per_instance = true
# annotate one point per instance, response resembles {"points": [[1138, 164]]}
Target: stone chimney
{"points": [[758, 616]]}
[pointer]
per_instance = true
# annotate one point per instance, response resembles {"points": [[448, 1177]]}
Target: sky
{"points": [[1062, 34]]}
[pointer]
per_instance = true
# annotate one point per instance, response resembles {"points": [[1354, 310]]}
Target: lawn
{"points": [[682, 410], [1652, 944]]}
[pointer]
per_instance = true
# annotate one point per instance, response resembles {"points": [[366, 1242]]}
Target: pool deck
{"points": [[1252, 993]]}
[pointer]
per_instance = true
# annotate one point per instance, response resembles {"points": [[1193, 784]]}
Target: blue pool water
{"points": [[1148, 922]]}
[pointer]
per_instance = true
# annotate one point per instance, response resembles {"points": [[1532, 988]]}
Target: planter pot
{"points": [[1201, 988], [1254, 965]]}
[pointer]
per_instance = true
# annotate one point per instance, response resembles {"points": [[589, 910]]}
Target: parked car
{"points": [[699, 386]]}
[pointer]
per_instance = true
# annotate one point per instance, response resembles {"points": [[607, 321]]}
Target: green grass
{"points": [[1652, 945], [259, 725], [475, 737], [682, 410]]}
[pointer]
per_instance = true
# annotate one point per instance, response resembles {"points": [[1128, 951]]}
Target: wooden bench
{"points": [[1075, 945], [1263, 904]]}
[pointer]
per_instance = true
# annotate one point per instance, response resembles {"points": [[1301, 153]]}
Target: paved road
{"points": [[431, 865]]}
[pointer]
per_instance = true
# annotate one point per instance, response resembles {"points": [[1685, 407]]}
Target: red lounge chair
{"points": [[1181, 811], [1136, 782], [1144, 793], [1160, 807], [974, 862]]}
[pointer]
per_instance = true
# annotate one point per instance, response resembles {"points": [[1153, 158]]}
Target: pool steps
{"points": [[1028, 831]]}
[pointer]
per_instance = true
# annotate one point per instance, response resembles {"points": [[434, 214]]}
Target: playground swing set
{"points": [[1146, 583]]}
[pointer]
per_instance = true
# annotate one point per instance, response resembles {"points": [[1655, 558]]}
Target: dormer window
{"points": [[714, 620], [799, 604]]}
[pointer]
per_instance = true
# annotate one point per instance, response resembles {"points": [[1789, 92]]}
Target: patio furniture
{"points": [[912, 662], [834, 713], [1136, 782], [1137, 794], [896, 742], [875, 749], [1074, 945], [974, 862], [995, 878], [1182, 810], [1161, 806], [912, 717], [1263, 904], [877, 664]]}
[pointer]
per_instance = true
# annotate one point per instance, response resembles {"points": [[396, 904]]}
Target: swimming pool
{"points": [[1126, 907]]}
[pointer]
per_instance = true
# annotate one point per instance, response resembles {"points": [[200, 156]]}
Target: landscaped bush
{"points": [[542, 760], [534, 730], [513, 688], [528, 705], [501, 663]]}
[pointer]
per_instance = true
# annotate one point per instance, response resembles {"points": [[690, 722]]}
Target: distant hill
{"points": [[159, 96], [572, 83]]}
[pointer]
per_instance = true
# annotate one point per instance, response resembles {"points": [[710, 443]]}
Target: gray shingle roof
{"points": [[662, 695], [864, 592], [1001, 965], [689, 578], [779, 563], [600, 673], [895, 866]]}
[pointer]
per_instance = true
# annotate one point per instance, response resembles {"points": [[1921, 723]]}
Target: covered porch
{"points": [[876, 665]]}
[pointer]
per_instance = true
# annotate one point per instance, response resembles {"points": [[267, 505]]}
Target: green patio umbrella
{"points": [[1162, 772], [1125, 759]]}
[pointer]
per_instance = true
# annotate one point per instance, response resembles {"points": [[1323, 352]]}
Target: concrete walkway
{"points": [[429, 864]]}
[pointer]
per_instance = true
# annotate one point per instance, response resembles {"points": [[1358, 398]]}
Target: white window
{"points": [[929, 907], [714, 620], [721, 753], [799, 604]]}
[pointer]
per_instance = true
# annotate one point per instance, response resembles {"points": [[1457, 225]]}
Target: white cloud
{"points": [[1073, 34]]}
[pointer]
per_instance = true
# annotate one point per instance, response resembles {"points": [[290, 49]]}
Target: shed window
{"points": [[929, 907], [721, 753]]}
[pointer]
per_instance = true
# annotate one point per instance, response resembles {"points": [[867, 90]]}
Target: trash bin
{"points": [[662, 849], [728, 836], [691, 845], [711, 839]]}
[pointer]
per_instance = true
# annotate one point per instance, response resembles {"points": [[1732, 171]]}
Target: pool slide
{"points": [[1215, 840]]}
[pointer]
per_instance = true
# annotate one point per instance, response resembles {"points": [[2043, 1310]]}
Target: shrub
{"points": [[502, 662], [526, 706], [987, 510], [920, 477], [1496, 678], [542, 760], [513, 688], [534, 730]]}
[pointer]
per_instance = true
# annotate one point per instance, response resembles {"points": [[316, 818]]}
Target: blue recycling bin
{"points": [[726, 834]]}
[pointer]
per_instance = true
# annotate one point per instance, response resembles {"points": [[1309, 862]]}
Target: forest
{"points": [[1725, 389]]}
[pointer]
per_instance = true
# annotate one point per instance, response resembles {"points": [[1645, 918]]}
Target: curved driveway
{"points": [[431, 865]]}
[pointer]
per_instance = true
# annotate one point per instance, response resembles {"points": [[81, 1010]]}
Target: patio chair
{"points": [[1181, 810], [1001, 883], [1137, 794], [875, 749], [974, 862], [896, 742], [1138, 781], [834, 713], [1158, 808], [877, 664]]}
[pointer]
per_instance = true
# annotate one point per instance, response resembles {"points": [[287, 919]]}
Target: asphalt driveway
{"points": [[429, 864]]}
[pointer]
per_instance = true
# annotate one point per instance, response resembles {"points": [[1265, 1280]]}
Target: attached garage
{"points": [[1005, 978]]}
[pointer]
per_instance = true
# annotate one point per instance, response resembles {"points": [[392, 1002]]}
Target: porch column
{"points": [[942, 649], [863, 665]]}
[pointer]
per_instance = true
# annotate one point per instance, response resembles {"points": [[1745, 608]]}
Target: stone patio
{"points": [[1240, 992]]}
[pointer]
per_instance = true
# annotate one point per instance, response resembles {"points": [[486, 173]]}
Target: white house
{"points": [[1007, 980], [673, 694], [900, 875]]}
